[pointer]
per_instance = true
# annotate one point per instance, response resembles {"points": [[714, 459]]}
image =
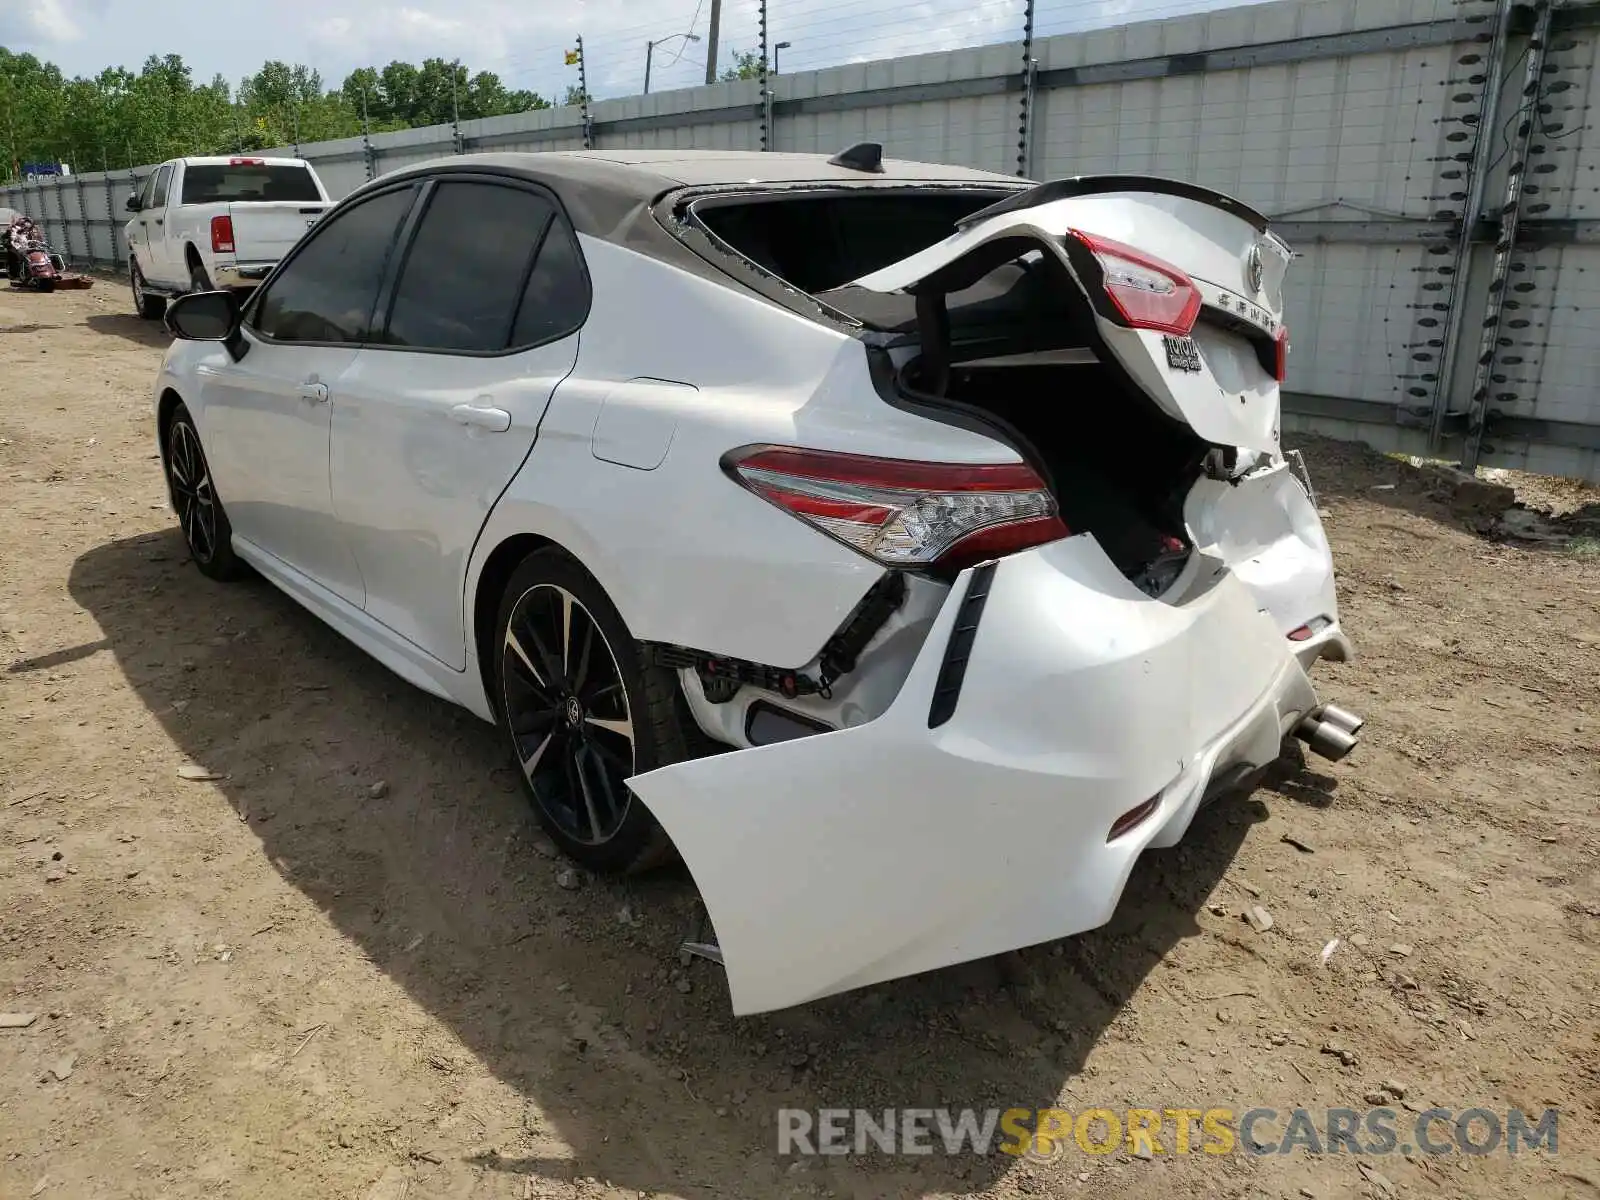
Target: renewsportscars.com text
{"points": [[1050, 1133]]}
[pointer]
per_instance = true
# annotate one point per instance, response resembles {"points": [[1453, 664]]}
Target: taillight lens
{"points": [[902, 513], [222, 235], [1149, 293], [1281, 358]]}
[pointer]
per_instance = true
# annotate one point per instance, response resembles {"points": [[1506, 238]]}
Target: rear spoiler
{"points": [[1088, 185]]}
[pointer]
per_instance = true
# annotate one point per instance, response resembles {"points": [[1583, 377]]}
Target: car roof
{"points": [[614, 195], [646, 174]]}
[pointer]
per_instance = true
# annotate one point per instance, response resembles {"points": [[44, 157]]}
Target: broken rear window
{"points": [[819, 240]]}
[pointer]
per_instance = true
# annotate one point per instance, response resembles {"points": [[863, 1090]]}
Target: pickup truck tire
{"points": [[199, 281], [150, 307]]}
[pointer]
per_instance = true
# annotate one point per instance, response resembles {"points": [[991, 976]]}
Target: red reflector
{"points": [[1281, 343], [222, 235], [1301, 634], [1132, 817], [1149, 293], [247, 162]]}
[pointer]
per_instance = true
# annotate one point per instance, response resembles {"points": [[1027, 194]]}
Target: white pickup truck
{"points": [[204, 223]]}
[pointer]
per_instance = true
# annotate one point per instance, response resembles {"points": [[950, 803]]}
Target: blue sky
{"points": [[523, 40]]}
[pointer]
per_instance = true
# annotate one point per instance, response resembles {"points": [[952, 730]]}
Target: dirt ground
{"points": [[345, 968]]}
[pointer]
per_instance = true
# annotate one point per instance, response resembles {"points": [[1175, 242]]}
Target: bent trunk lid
{"points": [[1238, 267]]}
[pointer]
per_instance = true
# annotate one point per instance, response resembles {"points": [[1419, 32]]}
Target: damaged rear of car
{"points": [[1071, 646]]}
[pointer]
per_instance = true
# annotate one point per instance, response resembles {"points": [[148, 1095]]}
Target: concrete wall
{"points": [[1350, 122]]}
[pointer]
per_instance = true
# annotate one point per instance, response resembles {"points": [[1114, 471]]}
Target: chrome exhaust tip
{"points": [[1341, 718], [1325, 738]]}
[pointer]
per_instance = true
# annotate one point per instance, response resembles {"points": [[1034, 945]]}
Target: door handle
{"points": [[161, 221], [315, 393], [495, 420]]}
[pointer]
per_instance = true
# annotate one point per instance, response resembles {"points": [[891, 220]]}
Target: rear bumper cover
{"points": [[844, 859]]}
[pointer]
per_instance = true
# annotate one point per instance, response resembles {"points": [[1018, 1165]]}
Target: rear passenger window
{"points": [[556, 300], [467, 268]]}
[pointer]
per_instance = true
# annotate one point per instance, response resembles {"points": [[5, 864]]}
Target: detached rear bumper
{"points": [[844, 859]]}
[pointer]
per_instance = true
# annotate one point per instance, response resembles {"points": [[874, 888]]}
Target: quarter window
{"points": [[556, 300], [328, 290]]}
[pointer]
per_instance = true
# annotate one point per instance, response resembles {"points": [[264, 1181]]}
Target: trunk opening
{"points": [[1120, 469]]}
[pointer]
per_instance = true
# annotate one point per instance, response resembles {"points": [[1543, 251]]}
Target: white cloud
{"points": [[523, 40], [49, 21]]}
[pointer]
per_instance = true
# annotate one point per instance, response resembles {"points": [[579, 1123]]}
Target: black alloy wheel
{"points": [[205, 525], [567, 709], [584, 711]]}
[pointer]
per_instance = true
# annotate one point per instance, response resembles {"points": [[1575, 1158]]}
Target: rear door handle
{"points": [[316, 393], [495, 420], [161, 221]]}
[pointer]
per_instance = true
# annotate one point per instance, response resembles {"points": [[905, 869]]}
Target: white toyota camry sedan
{"points": [[905, 547]]}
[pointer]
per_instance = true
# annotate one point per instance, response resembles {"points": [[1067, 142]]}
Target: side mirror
{"points": [[133, 204], [208, 317]]}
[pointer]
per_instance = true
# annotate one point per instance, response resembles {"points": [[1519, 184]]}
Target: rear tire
{"points": [[582, 710], [199, 281], [206, 530], [47, 285], [151, 308]]}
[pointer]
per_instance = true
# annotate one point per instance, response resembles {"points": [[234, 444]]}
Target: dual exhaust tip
{"points": [[1329, 731]]}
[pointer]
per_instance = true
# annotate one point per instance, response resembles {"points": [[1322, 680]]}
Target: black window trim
{"points": [[156, 185], [409, 234], [252, 311]]}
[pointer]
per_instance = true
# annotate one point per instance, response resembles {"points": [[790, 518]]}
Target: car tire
{"points": [[582, 710], [151, 308], [206, 529], [199, 281]]}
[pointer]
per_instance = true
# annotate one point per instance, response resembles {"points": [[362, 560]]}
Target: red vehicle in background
{"points": [[31, 263]]}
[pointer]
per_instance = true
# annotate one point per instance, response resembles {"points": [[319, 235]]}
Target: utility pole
{"points": [[766, 87], [366, 137], [455, 108], [583, 97], [711, 41]]}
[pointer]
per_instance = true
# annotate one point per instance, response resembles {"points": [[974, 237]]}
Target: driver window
{"points": [[327, 291], [163, 177]]}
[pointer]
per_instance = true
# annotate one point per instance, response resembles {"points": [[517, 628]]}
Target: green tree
{"points": [[746, 65], [121, 118]]}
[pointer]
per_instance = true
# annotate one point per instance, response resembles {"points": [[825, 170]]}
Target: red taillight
{"points": [[1133, 817], [247, 162], [222, 235], [903, 513], [1149, 293], [1281, 358]]}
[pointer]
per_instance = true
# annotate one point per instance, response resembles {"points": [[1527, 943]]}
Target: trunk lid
{"points": [[264, 231], [1215, 378]]}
